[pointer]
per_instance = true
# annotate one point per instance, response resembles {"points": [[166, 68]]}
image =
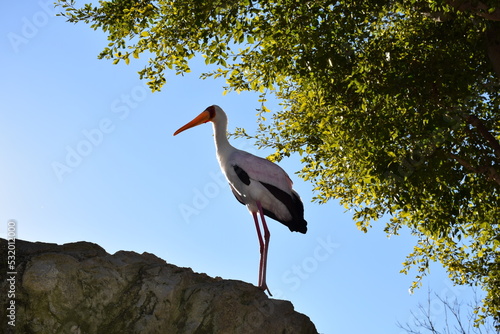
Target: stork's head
{"points": [[211, 114]]}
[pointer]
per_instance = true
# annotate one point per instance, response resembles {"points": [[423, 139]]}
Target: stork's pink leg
{"points": [[261, 244], [267, 237]]}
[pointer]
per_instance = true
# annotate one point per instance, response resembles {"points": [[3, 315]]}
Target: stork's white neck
{"points": [[222, 144]]}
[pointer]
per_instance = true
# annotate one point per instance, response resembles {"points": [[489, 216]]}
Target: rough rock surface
{"points": [[79, 288]]}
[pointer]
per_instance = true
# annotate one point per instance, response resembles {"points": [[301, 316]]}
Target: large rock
{"points": [[79, 288]]}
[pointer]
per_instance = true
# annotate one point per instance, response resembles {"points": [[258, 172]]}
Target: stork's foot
{"points": [[265, 289]]}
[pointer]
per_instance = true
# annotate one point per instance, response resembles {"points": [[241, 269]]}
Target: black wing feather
{"points": [[242, 175], [294, 206]]}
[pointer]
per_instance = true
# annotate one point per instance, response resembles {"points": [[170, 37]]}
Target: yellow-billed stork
{"points": [[261, 185]]}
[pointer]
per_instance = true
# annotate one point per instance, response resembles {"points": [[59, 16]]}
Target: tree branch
{"points": [[476, 7], [490, 172], [479, 8], [485, 133], [493, 46]]}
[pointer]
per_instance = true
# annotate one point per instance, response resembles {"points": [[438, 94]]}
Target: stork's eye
{"points": [[211, 111]]}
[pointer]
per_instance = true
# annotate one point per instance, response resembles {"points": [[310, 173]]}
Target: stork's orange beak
{"points": [[200, 119]]}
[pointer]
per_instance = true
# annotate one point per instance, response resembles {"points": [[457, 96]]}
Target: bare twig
{"points": [[425, 322]]}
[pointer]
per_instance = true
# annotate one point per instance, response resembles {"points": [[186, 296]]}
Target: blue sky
{"points": [[88, 154]]}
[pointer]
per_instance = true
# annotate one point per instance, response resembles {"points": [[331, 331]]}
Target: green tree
{"points": [[393, 106]]}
